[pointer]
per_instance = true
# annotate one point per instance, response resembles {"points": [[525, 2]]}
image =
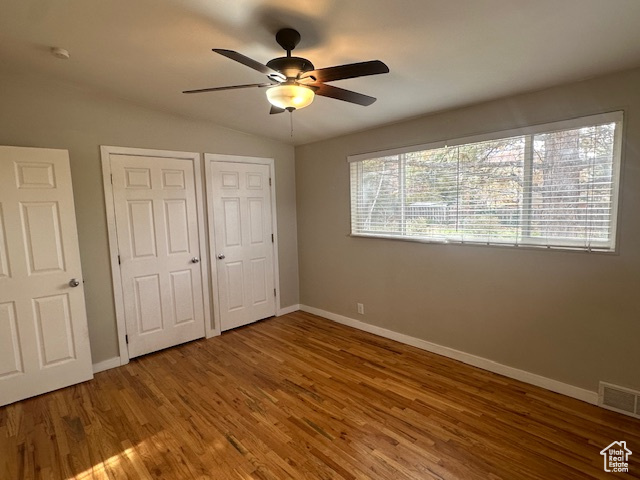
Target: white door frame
{"points": [[214, 157], [105, 153]]}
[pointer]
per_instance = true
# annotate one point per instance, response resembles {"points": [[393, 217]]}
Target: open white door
{"points": [[158, 240], [239, 196], [44, 339]]}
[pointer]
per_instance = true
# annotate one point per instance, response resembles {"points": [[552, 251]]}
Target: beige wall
{"points": [[39, 113], [569, 316]]}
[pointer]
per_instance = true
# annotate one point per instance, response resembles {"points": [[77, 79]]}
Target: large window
{"points": [[553, 185]]}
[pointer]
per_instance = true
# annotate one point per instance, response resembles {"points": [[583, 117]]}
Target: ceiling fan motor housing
{"points": [[290, 67]]}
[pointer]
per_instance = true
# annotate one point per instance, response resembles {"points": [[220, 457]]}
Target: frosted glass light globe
{"points": [[290, 96]]}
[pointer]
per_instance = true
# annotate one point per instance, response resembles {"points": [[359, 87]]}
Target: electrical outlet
{"points": [[360, 308]]}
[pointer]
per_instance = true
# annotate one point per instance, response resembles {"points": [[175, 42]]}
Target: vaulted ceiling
{"points": [[442, 54]]}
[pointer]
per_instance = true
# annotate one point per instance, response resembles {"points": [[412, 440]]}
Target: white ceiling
{"points": [[442, 53]]}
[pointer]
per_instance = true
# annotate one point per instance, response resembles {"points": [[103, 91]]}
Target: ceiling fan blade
{"points": [[232, 87], [275, 110], [249, 62], [344, 95], [352, 70]]}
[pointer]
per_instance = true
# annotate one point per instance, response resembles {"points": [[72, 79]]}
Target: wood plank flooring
{"points": [[302, 397]]}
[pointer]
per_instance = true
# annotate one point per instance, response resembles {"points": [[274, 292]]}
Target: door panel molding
{"points": [[231, 181], [138, 179]]}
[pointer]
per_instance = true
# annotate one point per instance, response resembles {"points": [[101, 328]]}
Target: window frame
{"points": [[608, 247]]}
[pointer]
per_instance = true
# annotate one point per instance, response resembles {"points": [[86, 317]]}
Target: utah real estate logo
{"points": [[616, 457]]}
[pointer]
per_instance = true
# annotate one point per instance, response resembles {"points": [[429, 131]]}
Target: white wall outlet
{"points": [[361, 308]]}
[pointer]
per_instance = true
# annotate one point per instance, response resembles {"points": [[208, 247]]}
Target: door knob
{"points": [[221, 256], [195, 260], [74, 282]]}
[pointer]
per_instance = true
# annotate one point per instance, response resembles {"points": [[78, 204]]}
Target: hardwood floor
{"points": [[302, 397]]}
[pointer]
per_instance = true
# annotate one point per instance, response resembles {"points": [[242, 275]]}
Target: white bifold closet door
{"points": [[44, 339], [159, 247]]}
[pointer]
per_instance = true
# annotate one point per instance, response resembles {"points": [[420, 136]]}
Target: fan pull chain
{"points": [[291, 122]]}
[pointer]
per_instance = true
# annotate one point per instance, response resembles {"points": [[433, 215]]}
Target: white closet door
{"points": [[157, 229], [241, 199], [44, 339]]}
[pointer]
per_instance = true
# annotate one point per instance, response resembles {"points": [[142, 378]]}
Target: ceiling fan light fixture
{"points": [[290, 96]]}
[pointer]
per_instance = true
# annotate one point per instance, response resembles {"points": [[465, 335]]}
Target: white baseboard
{"points": [[289, 309], [480, 362], [106, 364]]}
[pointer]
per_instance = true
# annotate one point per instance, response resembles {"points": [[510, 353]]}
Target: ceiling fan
{"points": [[294, 81]]}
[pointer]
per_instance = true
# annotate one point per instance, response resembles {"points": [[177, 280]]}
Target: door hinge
{"points": [[126, 339], [118, 259], [274, 292], [269, 181], [272, 238], [112, 179]]}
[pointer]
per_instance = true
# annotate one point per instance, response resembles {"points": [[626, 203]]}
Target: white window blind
{"points": [[553, 186]]}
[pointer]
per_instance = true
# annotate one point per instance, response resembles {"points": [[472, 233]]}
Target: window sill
{"points": [[555, 248]]}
